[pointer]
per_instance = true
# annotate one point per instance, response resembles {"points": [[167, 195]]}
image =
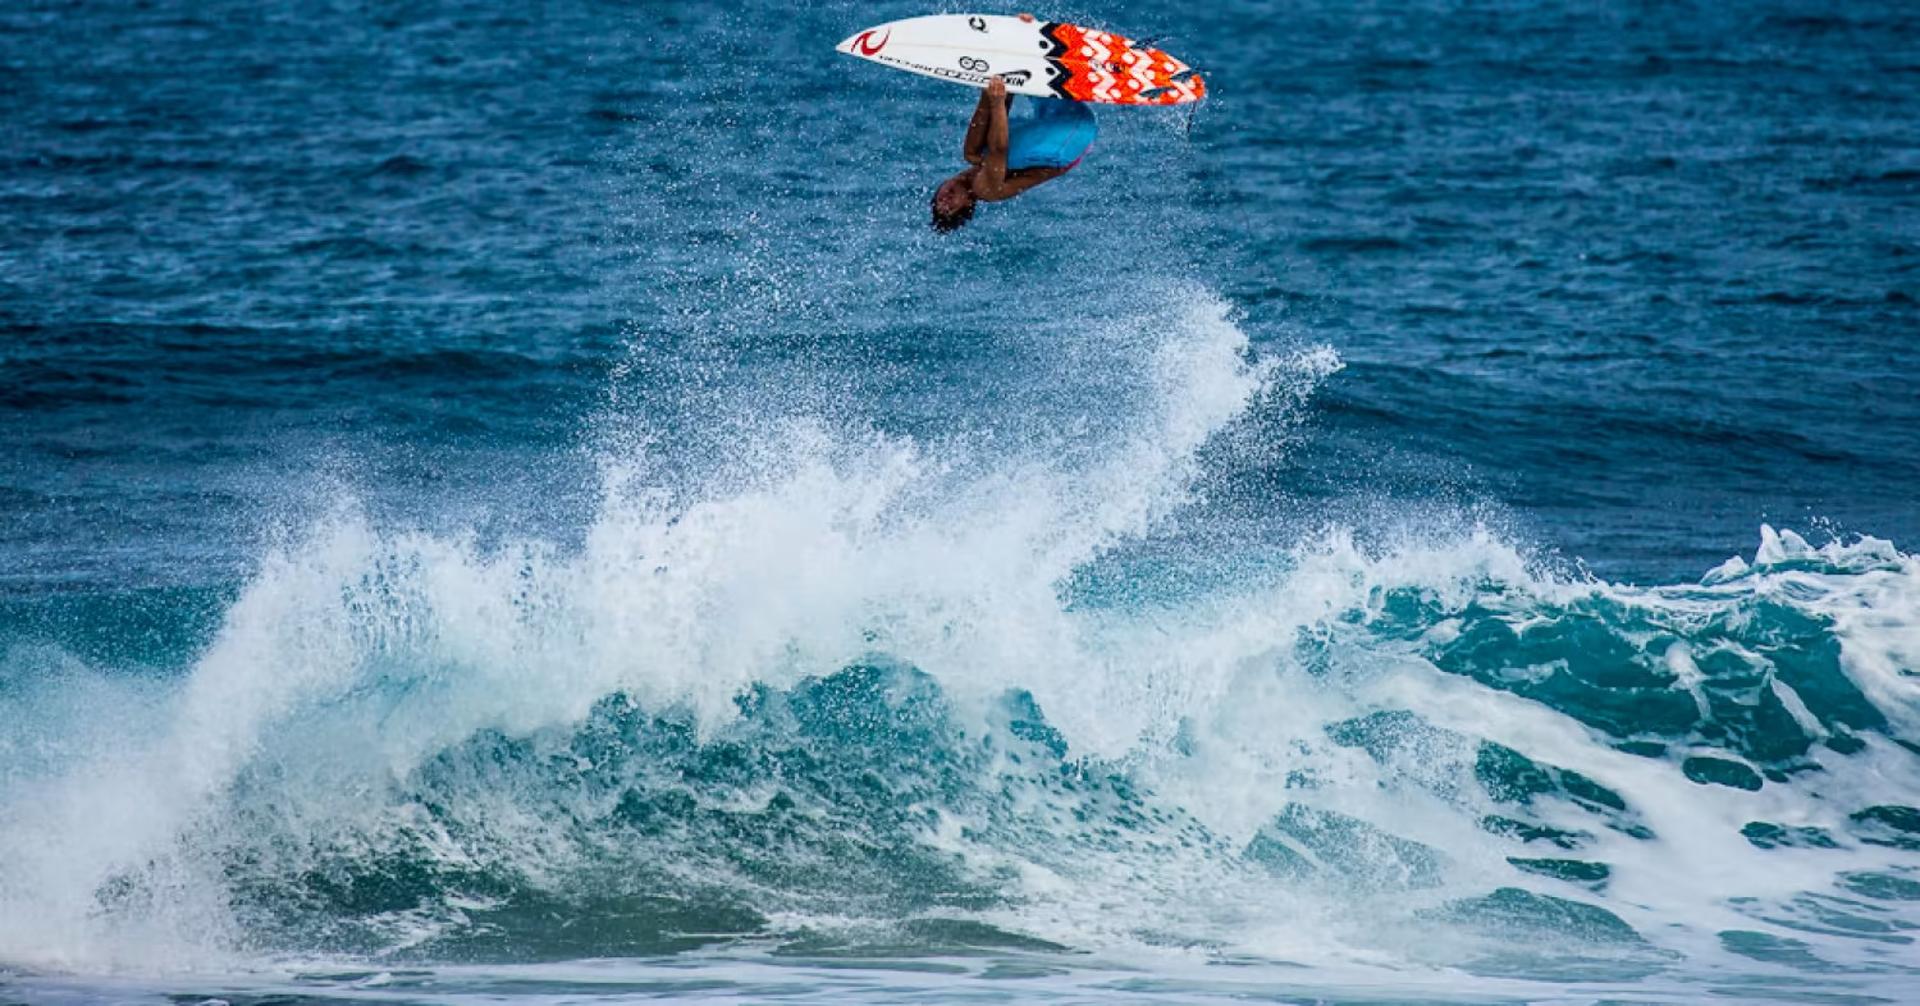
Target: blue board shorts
{"points": [[1056, 135]]}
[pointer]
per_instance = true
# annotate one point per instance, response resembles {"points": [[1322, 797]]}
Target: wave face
{"points": [[870, 692]]}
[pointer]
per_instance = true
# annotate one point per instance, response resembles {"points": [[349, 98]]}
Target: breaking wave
{"points": [[854, 690]]}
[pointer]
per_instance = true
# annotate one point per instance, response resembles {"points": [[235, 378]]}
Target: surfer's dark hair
{"points": [[947, 223]]}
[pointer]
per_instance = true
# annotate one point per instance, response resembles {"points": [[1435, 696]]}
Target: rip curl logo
{"points": [[977, 23], [866, 46]]}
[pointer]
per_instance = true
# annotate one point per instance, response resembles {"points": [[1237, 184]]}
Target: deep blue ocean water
{"points": [[513, 501]]}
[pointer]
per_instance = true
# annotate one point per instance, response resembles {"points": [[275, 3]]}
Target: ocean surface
{"points": [[511, 502]]}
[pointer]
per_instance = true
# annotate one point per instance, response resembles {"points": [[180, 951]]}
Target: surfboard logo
{"points": [[977, 23], [867, 46], [1015, 78]]}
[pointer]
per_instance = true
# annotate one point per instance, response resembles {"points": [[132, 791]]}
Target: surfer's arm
{"points": [[992, 177], [974, 149]]}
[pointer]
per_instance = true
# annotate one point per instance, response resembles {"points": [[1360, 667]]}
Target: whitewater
{"points": [[857, 695]]}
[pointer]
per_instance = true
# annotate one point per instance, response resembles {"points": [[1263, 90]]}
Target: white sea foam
{"points": [[358, 653], [355, 652]]}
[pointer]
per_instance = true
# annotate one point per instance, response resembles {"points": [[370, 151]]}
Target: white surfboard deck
{"points": [[1042, 59]]}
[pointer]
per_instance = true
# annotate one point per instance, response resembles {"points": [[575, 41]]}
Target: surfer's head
{"points": [[953, 203]]}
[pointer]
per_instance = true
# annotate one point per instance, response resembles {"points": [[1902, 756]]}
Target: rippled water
{"points": [[517, 504]]}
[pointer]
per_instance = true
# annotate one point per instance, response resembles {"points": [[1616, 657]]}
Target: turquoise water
{"points": [[511, 505]]}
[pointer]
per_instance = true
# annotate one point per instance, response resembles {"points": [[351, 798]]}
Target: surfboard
{"points": [[1044, 59]]}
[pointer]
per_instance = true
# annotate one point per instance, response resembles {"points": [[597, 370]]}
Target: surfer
{"points": [[1009, 156]]}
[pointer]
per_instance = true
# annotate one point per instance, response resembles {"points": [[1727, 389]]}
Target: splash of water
{"points": [[845, 690]]}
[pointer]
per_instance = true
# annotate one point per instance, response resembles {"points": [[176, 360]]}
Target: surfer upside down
{"points": [[1003, 165]]}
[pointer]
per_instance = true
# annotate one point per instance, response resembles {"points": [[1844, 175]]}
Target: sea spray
{"points": [[849, 690], [357, 655]]}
